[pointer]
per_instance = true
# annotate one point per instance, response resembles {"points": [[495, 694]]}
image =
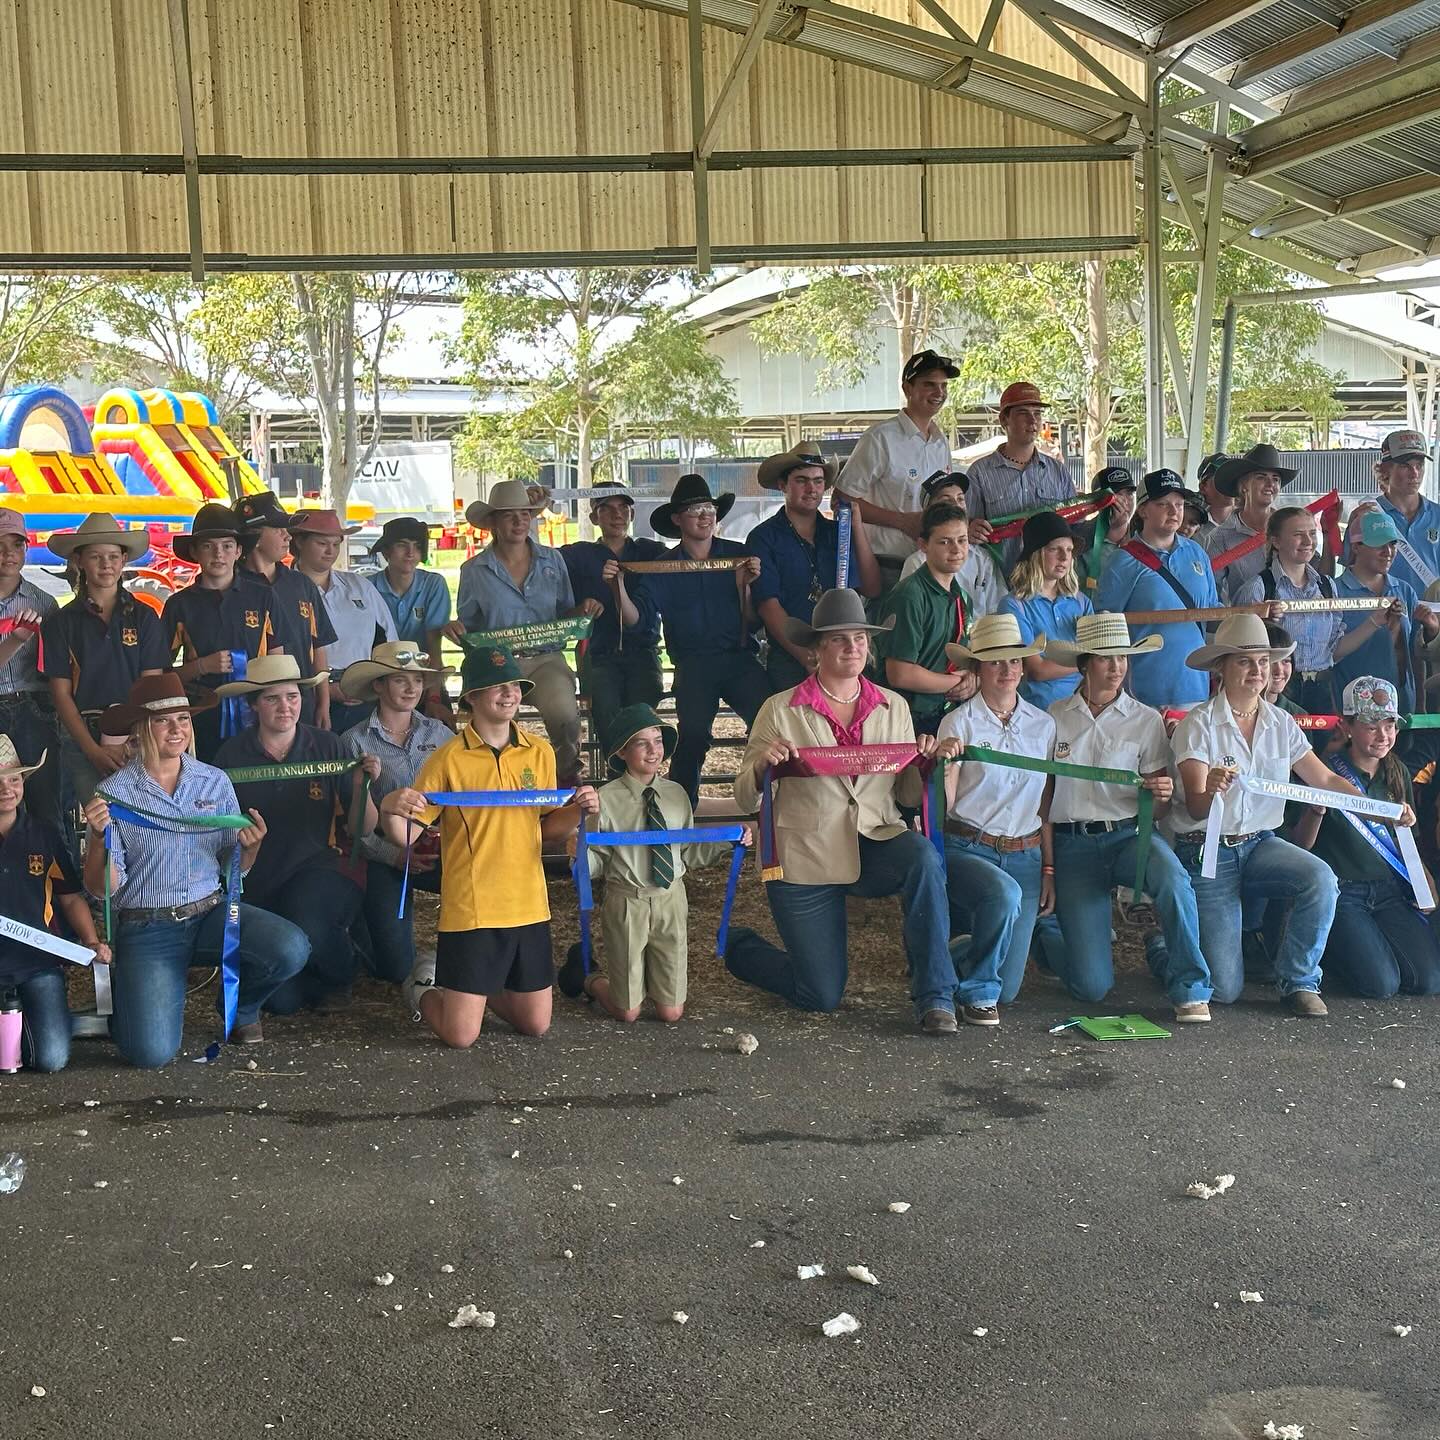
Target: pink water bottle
{"points": [[11, 1022]]}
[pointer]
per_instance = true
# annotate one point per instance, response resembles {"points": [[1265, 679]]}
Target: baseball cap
{"points": [[1403, 444], [1160, 483], [1210, 464], [1377, 528], [1113, 477], [941, 478], [1367, 697], [1021, 392], [924, 360]]}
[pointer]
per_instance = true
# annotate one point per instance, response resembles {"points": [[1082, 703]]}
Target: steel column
{"points": [[185, 106], [700, 174], [1154, 281], [1227, 369]]}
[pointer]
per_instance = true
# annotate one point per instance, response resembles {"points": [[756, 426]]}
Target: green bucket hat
{"points": [[491, 665], [625, 725]]}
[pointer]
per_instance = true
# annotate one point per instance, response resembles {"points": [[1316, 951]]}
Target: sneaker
{"points": [[1193, 1012], [980, 1014], [938, 1022], [250, 1034], [420, 980], [571, 975], [1307, 1003]]}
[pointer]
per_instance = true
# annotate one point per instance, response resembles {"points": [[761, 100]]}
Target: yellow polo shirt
{"points": [[491, 876]]}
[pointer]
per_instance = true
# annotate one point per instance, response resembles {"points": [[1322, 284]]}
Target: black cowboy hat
{"points": [[1262, 457], [212, 521], [689, 490]]}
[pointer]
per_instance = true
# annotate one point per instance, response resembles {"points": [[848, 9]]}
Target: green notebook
{"points": [[1119, 1027]]}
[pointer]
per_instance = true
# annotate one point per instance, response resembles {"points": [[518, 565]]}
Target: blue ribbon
{"points": [[1374, 831], [234, 711], [844, 519], [697, 835], [476, 799]]}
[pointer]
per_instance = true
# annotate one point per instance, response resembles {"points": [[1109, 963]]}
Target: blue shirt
{"points": [[1423, 533], [585, 559], [1055, 620], [425, 606], [162, 868], [18, 672], [792, 570], [489, 598], [399, 765], [1162, 678], [701, 609], [1377, 655], [1315, 635]]}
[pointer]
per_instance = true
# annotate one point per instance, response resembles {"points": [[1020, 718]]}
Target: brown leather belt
{"points": [[1197, 837], [172, 913], [1005, 844]]}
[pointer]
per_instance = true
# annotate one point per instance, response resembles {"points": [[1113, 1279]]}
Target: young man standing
{"points": [[215, 618], [1159, 569], [1253, 480], [1017, 474], [297, 609], [358, 616], [799, 557], [885, 472], [418, 600], [620, 667], [708, 620], [1217, 507], [517, 581], [931, 610], [1399, 472]]}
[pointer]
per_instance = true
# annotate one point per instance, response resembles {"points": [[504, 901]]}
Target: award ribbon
{"points": [[299, 770], [1305, 722], [1008, 527], [1208, 614], [1327, 507], [683, 567], [43, 940], [844, 520], [10, 625], [695, 835], [234, 709], [1374, 834], [542, 635], [1096, 774]]}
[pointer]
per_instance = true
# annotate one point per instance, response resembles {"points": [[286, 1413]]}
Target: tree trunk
{"points": [[584, 468], [1098, 394]]}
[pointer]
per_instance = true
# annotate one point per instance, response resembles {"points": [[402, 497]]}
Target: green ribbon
{"points": [[1420, 722], [543, 635], [298, 770], [1096, 774]]}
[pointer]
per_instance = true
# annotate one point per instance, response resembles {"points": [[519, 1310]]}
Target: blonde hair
{"points": [[1028, 576], [142, 739]]}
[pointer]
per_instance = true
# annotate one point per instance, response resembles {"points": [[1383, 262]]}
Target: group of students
{"points": [[258, 767]]}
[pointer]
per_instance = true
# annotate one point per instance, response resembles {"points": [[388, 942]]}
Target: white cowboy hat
{"points": [[1239, 635], [994, 637], [100, 529], [504, 495], [396, 657], [268, 670], [10, 759], [1105, 633]]}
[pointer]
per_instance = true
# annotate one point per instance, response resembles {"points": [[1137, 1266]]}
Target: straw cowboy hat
{"points": [[212, 521], [1243, 634], [162, 694], [994, 637], [689, 490], [395, 657], [505, 495], [1228, 476], [1105, 633], [268, 670], [320, 522], [626, 724], [775, 469], [10, 759], [100, 529], [834, 610]]}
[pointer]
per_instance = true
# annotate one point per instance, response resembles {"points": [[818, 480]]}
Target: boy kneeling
{"points": [[643, 917], [493, 944]]}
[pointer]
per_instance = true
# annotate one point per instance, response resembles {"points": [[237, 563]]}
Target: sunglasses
{"points": [[409, 657]]}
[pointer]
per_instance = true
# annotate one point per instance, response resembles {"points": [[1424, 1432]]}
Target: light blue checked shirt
{"points": [[399, 765], [489, 598], [1001, 487], [155, 869], [19, 672], [1315, 635]]}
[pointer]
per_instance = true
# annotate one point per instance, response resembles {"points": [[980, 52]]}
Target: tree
{"points": [[45, 324], [600, 358]]}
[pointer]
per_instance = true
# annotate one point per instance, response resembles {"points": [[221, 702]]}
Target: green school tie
{"points": [[662, 861]]}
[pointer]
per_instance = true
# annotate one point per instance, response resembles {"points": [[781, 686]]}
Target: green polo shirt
{"points": [[1346, 851], [927, 619]]}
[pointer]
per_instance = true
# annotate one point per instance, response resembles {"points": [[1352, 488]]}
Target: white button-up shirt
{"points": [[357, 612], [995, 798], [1210, 734], [889, 464], [1125, 735]]}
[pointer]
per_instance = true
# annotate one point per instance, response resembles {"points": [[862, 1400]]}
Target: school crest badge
{"points": [[252, 619], [496, 658], [1229, 762], [1196, 566], [527, 778], [1433, 536], [317, 790], [129, 636], [307, 611], [1062, 749], [37, 865], [417, 613]]}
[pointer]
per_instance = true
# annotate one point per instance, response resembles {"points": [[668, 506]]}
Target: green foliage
{"points": [[45, 324]]}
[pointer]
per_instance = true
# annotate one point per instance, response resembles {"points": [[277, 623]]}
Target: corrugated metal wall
{"points": [[495, 77]]}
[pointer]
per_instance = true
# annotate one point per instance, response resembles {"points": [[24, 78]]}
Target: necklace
{"points": [[838, 699], [1249, 714]]}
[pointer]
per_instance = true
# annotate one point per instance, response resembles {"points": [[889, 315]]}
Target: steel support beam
{"points": [[1154, 281], [946, 21], [185, 105], [1227, 371], [985, 36], [1360, 202], [1205, 19], [700, 176], [1317, 39], [1205, 306], [734, 82], [1077, 52]]}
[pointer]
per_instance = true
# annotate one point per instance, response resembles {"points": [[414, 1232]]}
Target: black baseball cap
{"points": [[1160, 483], [1113, 477], [941, 478], [925, 360], [1210, 464]]}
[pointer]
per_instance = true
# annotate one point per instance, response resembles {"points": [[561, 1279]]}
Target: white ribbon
{"points": [[104, 996], [1329, 800], [1412, 558], [44, 940]]}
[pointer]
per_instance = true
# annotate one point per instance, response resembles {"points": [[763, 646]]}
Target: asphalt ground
{"points": [[192, 1251]]}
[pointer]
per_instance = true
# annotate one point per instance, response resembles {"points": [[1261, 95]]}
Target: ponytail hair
{"points": [[126, 605], [1275, 522]]}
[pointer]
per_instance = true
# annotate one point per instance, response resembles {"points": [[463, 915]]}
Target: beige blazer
{"points": [[818, 821]]}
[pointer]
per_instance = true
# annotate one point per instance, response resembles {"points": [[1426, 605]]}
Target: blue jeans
{"points": [[1380, 945], [811, 971], [45, 1021], [392, 940], [323, 902], [152, 961], [1263, 868], [1087, 869], [998, 896]]}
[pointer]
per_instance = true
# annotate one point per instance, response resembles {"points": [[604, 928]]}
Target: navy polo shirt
{"points": [[35, 866], [792, 570], [205, 621], [300, 815], [102, 660], [298, 618], [701, 609], [585, 559]]}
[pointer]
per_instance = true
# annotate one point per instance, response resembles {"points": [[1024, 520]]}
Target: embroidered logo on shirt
{"points": [[1197, 567], [37, 865], [527, 778], [252, 619], [129, 637], [417, 613], [306, 613], [317, 791], [1433, 536], [1062, 749], [1229, 762]]}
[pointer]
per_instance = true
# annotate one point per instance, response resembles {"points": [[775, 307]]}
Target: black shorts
{"points": [[485, 962]]}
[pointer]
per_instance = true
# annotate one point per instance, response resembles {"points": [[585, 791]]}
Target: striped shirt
{"points": [[19, 672], [158, 869], [998, 486], [399, 765]]}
